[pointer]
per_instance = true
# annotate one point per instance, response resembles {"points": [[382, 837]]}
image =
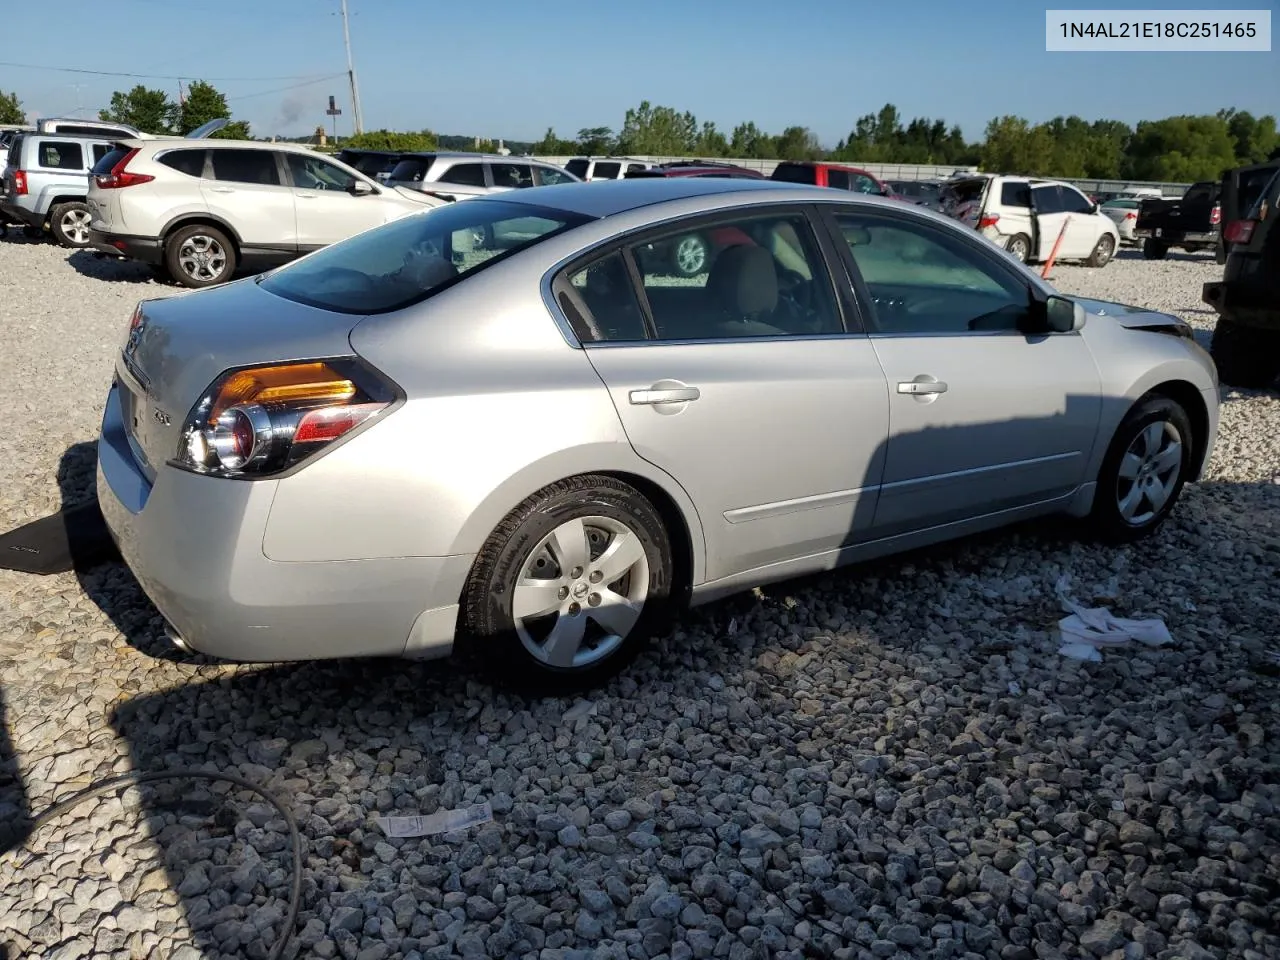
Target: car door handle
{"points": [[922, 387], [221, 190], [656, 394]]}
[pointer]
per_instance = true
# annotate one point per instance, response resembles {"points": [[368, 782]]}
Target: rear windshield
{"points": [[372, 164], [107, 163], [578, 167], [404, 262], [1123, 204], [1268, 191], [412, 169], [795, 173], [1253, 185]]}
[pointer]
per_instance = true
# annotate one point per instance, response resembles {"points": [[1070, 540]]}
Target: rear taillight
{"points": [[258, 422], [988, 220], [1215, 216], [119, 177], [1239, 231], [20, 182], [1131, 216]]}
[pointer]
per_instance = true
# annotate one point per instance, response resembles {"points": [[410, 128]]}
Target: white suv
{"points": [[443, 177], [201, 209], [605, 168], [1026, 215]]}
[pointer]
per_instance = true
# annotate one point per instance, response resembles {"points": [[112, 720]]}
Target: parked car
{"points": [[372, 163], [695, 168], [924, 193], [447, 177], [604, 168], [202, 209], [1191, 223], [539, 447], [1239, 191], [1124, 213], [45, 183], [834, 175], [1026, 217], [1246, 338]]}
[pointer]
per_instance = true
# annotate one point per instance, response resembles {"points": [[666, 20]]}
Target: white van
{"points": [[1025, 217]]}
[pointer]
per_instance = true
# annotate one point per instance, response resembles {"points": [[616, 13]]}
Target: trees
{"points": [[392, 141], [658, 131], [150, 111], [203, 103], [11, 108], [1182, 149]]}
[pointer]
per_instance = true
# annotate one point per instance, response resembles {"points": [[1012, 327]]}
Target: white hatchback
{"points": [[202, 209]]}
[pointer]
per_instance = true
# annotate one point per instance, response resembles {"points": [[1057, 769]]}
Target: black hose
{"points": [[134, 779]]}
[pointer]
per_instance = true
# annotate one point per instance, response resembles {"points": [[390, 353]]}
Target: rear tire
{"points": [[1144, 470], [1020, 247], [569, 588], [1152, 250], [1245, 357], [1102, 252], [69, 224], [199, 256]]}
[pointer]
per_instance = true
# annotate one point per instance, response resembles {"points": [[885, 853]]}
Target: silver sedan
{"points": [[510, 424]]}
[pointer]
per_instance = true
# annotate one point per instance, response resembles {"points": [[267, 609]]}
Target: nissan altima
{"points": [[511, 426]]}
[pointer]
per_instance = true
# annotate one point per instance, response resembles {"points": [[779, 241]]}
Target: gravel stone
{"points": [[895, 751]]}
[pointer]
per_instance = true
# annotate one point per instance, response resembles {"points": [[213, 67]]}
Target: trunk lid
{"points": [[183, 343]]}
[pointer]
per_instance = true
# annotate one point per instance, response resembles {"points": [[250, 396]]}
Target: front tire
{"points": [[1245, 357], [1144, 470], [1102, 252], [1152, 250], [199, 256], [69, 224], [570, 586]]}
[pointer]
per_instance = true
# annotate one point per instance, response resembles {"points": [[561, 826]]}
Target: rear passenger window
{"points": [[100, 150], [60, 156], [606, 171], [512, 175], [464, 174], [601, 304], [190, 162], [245, 166], [838, 179], [1015, 195], [864, 184], [632, 167]]}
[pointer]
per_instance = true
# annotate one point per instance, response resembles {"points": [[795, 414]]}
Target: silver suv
{"points": [[46, 180], [459, 176]]}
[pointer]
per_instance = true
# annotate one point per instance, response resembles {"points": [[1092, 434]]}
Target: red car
{"points": [[834, 175]]}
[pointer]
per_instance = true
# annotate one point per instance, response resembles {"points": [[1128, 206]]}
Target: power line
{"points": [[308, 83], [153, 76]]}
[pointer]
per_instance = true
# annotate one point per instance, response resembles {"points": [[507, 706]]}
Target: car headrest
{"points": [[745, 280]]}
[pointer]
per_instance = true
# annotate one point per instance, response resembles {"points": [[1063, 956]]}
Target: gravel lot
{"points": [[892, 761]]}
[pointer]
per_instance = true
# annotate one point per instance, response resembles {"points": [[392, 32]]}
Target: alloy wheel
{"points": [[1149, 472]]}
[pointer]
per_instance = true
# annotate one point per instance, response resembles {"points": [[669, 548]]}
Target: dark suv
{"points": [[1246, 339], [372, 163]]}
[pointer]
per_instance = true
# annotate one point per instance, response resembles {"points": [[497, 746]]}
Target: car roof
{"points": [[207, 142], [606, 198]]}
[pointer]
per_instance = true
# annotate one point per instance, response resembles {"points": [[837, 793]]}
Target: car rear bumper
{"points": [[144, 249], [195, 546], [13, 213], [1254, 301], [1176, 237]]}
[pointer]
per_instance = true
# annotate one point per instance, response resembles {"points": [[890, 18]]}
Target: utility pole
{"points": [[78, 87], [351, 73]]}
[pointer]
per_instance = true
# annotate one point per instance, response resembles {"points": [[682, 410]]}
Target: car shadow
{"points": [[1135, 253], [98, 265], [343, 742], [15, 807]]}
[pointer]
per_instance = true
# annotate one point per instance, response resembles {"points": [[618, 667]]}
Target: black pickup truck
{"points": [[1191, 223]]}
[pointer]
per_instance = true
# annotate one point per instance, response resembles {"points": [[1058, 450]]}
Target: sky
{"points": [[513, 68]]}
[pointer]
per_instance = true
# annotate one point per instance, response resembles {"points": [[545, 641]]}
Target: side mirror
{"points": [[360, 188], [1062, 315]]}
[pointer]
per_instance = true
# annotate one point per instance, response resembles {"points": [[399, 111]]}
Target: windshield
{"points": [[404, 262], [1266, 193], [412, 169], [578, 167], [795, 173]]}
